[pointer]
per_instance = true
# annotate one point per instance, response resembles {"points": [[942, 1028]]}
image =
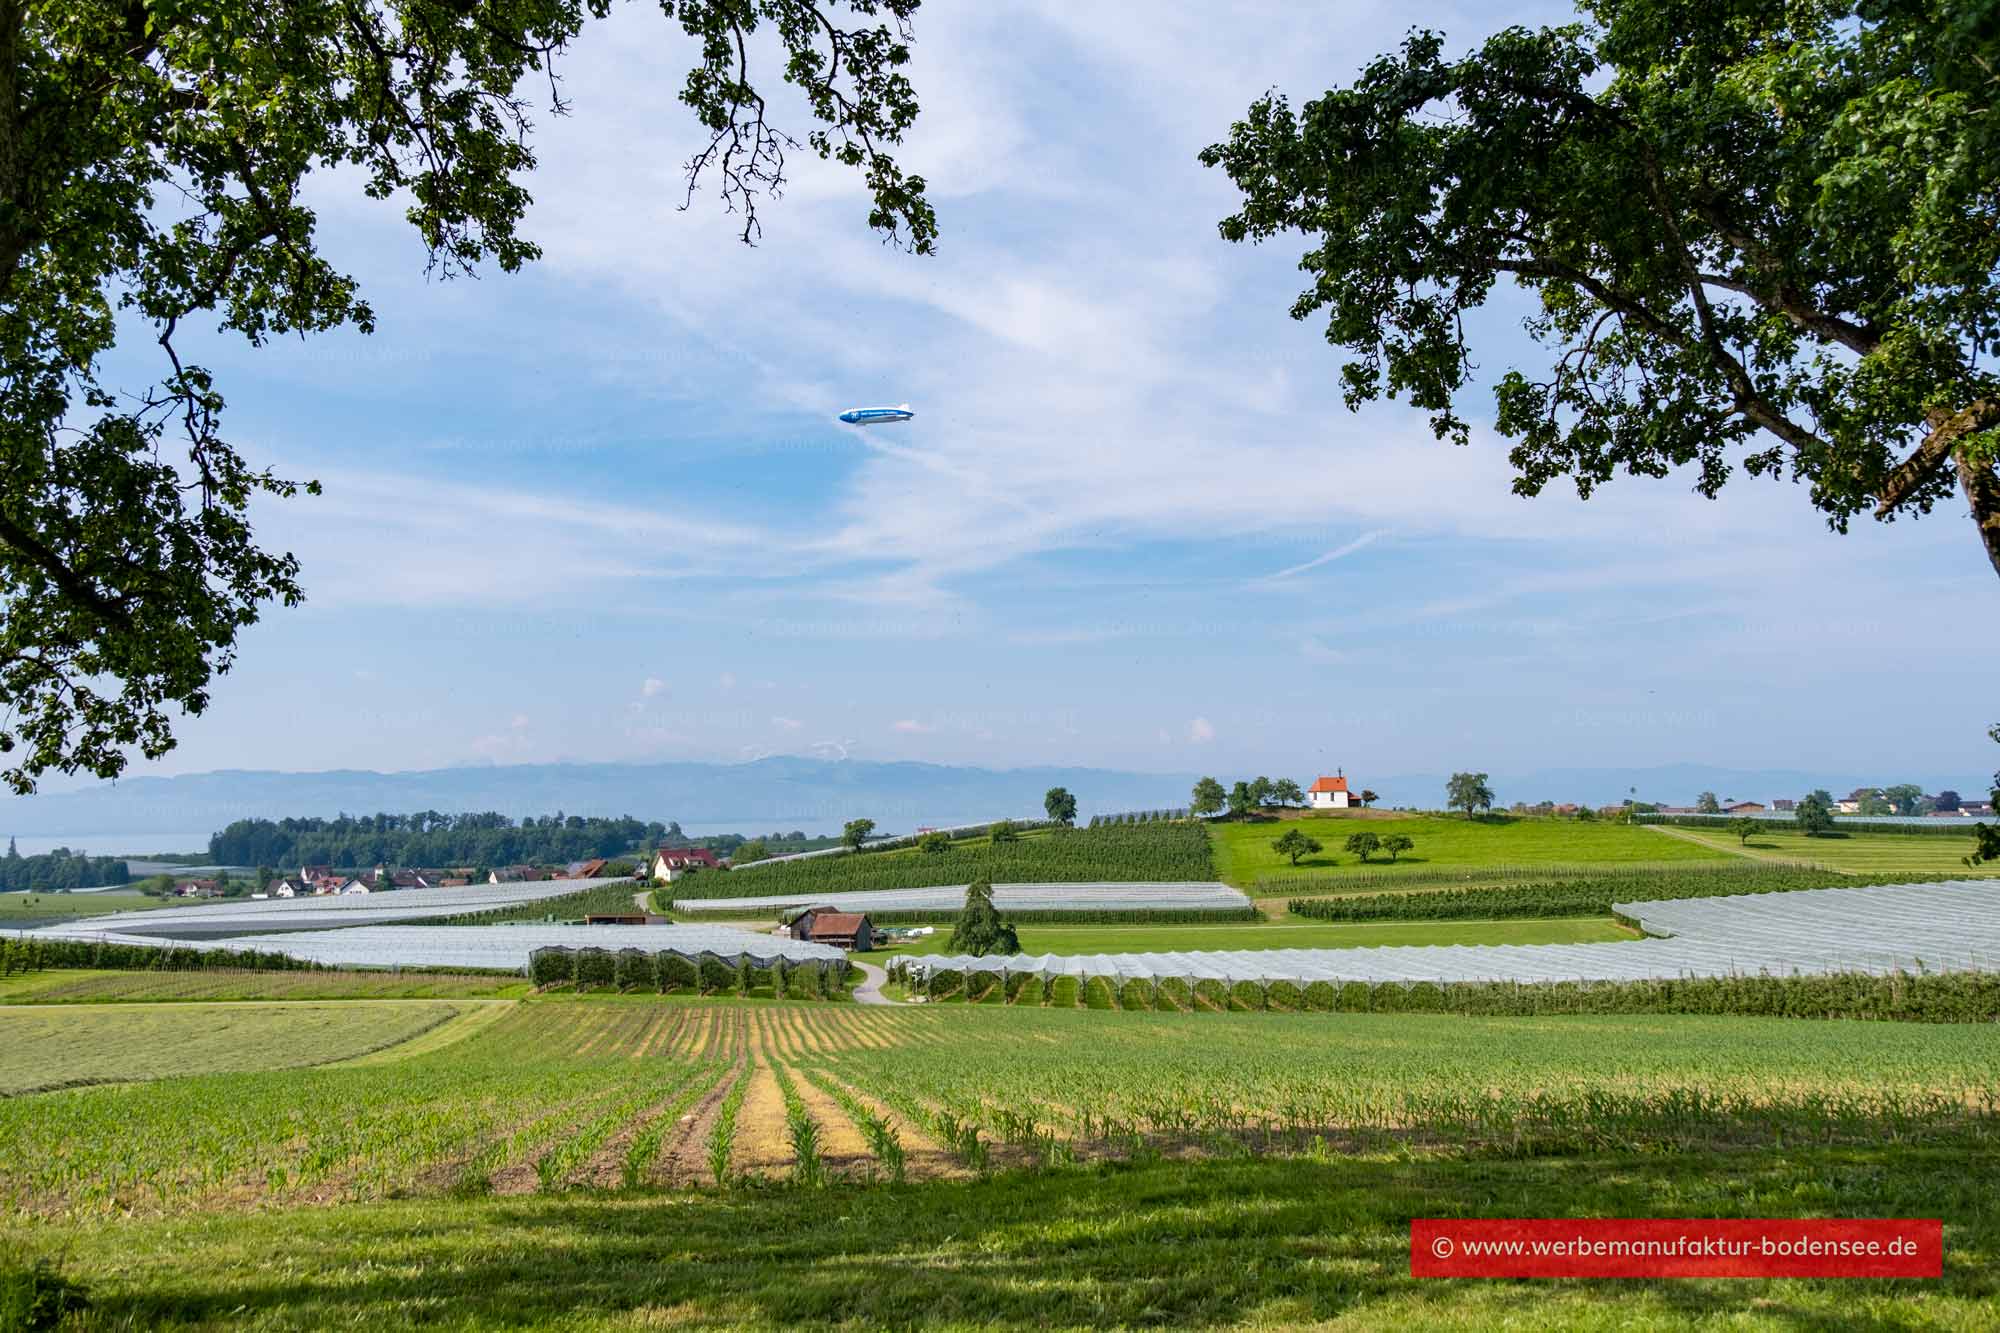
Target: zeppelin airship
{"points": [[876, 416]]}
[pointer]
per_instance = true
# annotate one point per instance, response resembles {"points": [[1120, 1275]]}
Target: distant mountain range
{"points": [[816, 795]]}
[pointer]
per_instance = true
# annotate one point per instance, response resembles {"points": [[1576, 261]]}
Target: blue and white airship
{"points": [[876, 416]]}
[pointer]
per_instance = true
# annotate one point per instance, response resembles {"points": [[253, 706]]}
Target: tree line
{"points": [[429, 838], [52, 872]]}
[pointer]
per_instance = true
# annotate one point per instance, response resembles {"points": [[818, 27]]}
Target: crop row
{"points": [[1383, 879], [1142, 853], [706, 973], [1951, 997], [1591, 895]]}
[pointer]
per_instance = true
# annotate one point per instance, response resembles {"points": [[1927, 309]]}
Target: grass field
{"points": [[1243, 852], [1252, 1242], [49, 1046], [974, 1166], [1287, 934], [1858, 853], [65, 986], [16, 908]]}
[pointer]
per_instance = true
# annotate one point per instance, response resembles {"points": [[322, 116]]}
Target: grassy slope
{"points": [[1173, 1244], [1287, 934], [1243, 851], [43, 1046], [16, 907], [1860, 853]]}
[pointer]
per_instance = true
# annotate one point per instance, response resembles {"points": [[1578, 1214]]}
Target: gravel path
{"points": [[869, 991]]}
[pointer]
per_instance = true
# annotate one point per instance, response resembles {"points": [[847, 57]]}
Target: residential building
{"points": [[590, 869], [197, 888], [669, 863]]}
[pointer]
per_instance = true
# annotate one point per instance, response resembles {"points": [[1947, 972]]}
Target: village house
{"points": [[516, 875], [670, 863], [1784, 805], [824, 925], [311, 873], [287, 888], [590, 869], [1329, 793], [197, 888]]}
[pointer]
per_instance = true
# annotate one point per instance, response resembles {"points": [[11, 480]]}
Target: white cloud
{"points": [[651, 686], [909, 726], [786, 723], [1340, 552], [1201, 731]]}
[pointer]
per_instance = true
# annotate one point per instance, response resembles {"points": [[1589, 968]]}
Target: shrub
{"points": [[714, 974], [551, 966], [635, 970], [677, 973], [595, 967]]}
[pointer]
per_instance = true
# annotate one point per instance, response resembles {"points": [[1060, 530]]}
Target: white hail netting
{"points": [[497, 947], [360, 909], [1953, 926], [1099, 896]]}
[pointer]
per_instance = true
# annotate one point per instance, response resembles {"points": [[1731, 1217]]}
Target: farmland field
{"points": [[538, 1172], [1288, 934], [1160, 852], [84, 986], [1858, 853], [58, 1045], [16, 908], [1243, 854]]}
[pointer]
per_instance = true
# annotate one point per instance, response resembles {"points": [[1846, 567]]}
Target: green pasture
{"points": [[1243, 853], [16, 907], [1856, 853]]}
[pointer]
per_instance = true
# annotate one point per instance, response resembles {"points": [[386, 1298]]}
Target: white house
{"points": [[671, 863], [353, 886], [1329, 793]]}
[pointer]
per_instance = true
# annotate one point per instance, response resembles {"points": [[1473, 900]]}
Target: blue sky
{"points": [[602, 509]]}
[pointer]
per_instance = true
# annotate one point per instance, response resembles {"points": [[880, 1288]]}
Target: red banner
{"points": [[1676, 1247]]}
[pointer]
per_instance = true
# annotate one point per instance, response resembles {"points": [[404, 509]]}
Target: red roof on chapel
{"points": [[1328, 784]]}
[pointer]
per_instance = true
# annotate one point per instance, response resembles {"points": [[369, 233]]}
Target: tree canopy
{"points": [[153, 163], [1468, 792], [1060, 805], [1763, 235], [980, 930]]}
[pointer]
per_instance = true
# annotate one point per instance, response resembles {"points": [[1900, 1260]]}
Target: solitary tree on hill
{"points": [[855, 832], [1395, 844], [1060, 806], [1468, 792], [1744, 828], [1363, 844], [1295, 842], [1706, 803], [1368, 797], [1208, 798]]}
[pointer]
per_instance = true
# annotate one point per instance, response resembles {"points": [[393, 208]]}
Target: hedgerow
{"points": [[1958, 826], [1591, 896]]}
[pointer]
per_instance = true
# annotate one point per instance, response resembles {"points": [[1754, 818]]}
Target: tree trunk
{"points": [[1981, 484]]}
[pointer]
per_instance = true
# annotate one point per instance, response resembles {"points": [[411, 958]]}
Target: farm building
{"points": [[1329, 793], [517, 875], [590, 869], [197, 888], [823, 925], [668, 862], [1744, 808]]}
